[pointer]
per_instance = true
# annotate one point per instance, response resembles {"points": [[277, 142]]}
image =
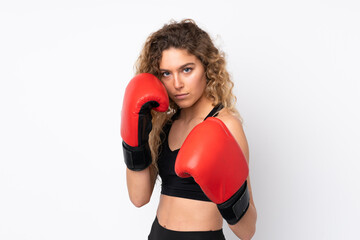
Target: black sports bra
{"points": [[172, 185]]}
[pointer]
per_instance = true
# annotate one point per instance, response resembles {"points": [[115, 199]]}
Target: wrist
{"points": [[137, 158], [235, 207]]}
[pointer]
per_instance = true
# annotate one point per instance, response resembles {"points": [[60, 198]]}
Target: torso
{"points": [[181, 214]]}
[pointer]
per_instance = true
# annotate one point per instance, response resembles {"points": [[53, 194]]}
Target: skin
{"points": [[184, 78]]}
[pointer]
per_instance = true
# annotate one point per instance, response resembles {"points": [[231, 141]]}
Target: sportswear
{"points": [[158, 232], [172, 184]]}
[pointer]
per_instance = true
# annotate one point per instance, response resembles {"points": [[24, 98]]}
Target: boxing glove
{"points": [[211, 155], [143, 93]]}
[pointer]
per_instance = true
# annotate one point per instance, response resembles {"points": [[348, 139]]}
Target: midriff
{"points": [[181, 214]]}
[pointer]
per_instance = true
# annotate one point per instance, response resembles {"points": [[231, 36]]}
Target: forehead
{"points": [[174, 58]]}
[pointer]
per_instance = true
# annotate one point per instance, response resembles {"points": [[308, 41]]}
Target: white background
{"points": [[63, 69]]}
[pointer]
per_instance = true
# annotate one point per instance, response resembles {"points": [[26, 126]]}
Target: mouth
{"points": [[181, 96]]}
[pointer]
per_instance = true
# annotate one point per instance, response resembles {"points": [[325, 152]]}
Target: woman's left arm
{"points": [[245, 228]]}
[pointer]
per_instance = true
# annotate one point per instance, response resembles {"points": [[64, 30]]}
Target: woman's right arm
{"points": [[140, 185], [143, 93]]}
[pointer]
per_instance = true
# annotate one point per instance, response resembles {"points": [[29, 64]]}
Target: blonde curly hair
{"points": [[185, 35]]}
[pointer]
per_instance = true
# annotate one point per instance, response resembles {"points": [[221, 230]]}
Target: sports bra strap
{"points": [[215, 111]]}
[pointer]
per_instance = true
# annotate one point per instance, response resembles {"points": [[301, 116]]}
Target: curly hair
{"points": [[185, 35]]}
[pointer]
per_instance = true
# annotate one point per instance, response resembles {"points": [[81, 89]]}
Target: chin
{"points": [[183, 104]]}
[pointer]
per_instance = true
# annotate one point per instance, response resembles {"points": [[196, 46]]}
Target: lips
{"points": [[181, 96]]}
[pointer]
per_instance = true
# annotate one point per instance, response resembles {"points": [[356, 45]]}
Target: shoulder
{"points": [[235, 126]]}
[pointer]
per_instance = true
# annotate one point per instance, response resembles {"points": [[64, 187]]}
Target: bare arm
{"points": [[245, 228], [140, 185], [143, 93]]}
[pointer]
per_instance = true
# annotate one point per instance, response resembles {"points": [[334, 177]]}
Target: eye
{"points": [[165, 74], [187, 70]]}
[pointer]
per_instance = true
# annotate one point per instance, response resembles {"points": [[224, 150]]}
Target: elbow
{"points": [[247, 234], [245, 229], [244, 233], [250, 234], [139, 204], [251, 228], [139, 201]]}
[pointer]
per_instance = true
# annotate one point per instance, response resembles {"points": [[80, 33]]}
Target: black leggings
{"points": [[160, 233]]}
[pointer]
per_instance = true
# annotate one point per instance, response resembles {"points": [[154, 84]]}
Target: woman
{"points": [[190, 74]]}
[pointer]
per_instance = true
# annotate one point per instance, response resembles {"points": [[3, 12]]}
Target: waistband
{"points": [[158, 232]]}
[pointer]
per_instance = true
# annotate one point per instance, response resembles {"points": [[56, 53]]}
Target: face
{"points": [[183, 76]]}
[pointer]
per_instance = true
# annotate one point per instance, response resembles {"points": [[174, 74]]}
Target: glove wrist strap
{"points": [[137, 158], [234, 208]]}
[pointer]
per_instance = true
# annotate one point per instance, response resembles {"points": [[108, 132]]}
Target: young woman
{"points": [[179, 122]]}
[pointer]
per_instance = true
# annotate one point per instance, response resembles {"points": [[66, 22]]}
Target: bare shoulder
{"points": [[235, 126]]}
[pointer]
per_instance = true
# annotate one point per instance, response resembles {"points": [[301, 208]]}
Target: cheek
{"points": [[201, 83], [168, 88], [166, 85]]}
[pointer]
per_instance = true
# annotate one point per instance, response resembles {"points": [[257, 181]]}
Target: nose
{"points": [[178, 83]]}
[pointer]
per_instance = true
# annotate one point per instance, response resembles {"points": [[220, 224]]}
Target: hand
{"points": [[143, 93], [211, 155]]}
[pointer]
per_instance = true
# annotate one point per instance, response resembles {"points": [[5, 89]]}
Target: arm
{"points": [[143, 93], [245, 228], [140, 185], [213, 156]]}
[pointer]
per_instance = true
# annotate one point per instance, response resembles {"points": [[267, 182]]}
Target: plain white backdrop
{"points": [[63, 69]]}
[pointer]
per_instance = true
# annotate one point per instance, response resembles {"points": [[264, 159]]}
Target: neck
{"points": [[199, 110]]}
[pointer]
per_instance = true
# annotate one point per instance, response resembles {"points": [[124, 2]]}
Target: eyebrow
{"points": [[182, 66]]}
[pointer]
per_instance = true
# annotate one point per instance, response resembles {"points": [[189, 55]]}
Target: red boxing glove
{"points": [[211, 155], [143, 93]]}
